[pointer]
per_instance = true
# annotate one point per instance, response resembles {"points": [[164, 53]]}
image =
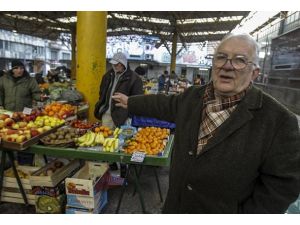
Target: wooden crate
{"points": [[59, 175], [11, 182], [16, 197]]}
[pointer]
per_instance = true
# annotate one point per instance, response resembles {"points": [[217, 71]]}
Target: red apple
{"points": [[16, 117], [9, 122], [34, 132], [9, 132]]}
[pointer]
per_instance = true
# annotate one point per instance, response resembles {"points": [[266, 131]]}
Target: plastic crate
{"points": [[140, 121]]}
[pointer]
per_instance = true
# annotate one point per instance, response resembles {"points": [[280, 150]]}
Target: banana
{"points": [[87, 138], [101, 138], [91, 139], [111, 149], [105, 142], [116, 144], [82, 138], [116, 131], [98, 138], [110, 142]]}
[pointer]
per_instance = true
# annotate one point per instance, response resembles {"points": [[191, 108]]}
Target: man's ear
{"points": [[255, 73]]}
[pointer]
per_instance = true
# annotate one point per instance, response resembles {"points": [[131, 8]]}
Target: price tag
{"points": [[138, 157], [27, 111]]}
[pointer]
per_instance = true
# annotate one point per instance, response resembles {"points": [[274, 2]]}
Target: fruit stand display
{"points": [[46, 132]]}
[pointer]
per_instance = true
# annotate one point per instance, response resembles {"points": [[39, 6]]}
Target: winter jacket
{"points": [[129, 84], [250, 165], [15, 94]]}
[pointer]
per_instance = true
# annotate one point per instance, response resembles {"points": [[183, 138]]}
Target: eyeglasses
{"points": [[238, 62]]}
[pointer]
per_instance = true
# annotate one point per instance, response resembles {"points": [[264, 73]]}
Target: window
{"points": [[7, 45], [66, 56], [54, 55], [1, 44]]}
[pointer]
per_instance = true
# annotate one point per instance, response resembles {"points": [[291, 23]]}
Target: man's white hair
{"points": [[248, 38]]}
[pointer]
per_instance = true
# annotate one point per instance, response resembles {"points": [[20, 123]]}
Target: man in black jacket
{"points": [[118, 79], [236, 149]]}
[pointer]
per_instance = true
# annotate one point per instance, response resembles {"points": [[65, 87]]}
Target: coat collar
{"points": [[242, 114]]}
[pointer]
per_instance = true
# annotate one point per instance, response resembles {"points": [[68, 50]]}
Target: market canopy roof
{"points": [[196, 26]]}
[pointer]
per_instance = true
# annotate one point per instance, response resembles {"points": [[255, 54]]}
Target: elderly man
{"points": [[236, 149]]}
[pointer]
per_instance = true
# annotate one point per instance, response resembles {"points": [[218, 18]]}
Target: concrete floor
{"points": [[130, 204]]}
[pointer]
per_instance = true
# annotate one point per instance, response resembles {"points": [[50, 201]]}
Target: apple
{"points": [[15, 126], [2, 124], [22, 124], [31, 125], [9, 122], [27, 135], [3, 116], [40, 130], [46, 128], [34, 132], [16, 117], [20, 139], [10, 131]]}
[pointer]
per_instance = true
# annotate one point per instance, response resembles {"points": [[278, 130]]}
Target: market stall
{"points": [[57, 132]]}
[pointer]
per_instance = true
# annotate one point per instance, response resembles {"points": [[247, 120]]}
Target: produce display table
{"points": [[84, 154], [72, 153]]}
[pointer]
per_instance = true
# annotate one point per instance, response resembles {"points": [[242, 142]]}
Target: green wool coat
{"points": [[15, 95], [250, 165]]}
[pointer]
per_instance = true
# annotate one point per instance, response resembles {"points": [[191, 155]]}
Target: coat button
{"points": [[189, 187], [191, 153]]}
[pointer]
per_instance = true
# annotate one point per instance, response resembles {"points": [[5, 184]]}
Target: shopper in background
{"points": [[197, 80], [118, 79], [2, 72], [162, 81], [18, 89], [140, 71], [236, 149]]}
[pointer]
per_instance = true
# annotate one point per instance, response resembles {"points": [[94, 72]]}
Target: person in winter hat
{"points": [[18, 89], [120, 78]]}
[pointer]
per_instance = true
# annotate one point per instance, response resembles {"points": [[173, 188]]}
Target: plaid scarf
{"points": [[216, 110]]}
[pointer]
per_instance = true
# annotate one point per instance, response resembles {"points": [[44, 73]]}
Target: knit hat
{"points": [[119, 58], [16, 63]]}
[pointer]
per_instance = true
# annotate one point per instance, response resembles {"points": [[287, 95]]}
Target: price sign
{"points": [[138, 157], [27, 111]]}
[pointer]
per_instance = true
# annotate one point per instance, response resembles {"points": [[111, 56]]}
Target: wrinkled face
{"points": [[229, 79], [18, 71], [118, 68]]}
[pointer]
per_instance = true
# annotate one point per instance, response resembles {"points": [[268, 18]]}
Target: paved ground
{"points": [[130, 204]]}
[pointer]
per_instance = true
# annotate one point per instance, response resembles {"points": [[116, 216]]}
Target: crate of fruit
{"points": [[54, 172], [63, 137], [11, 191]]}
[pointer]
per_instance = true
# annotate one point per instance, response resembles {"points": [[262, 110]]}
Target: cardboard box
{"points": [[98, 208], [85, 188], [43, 178]]}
